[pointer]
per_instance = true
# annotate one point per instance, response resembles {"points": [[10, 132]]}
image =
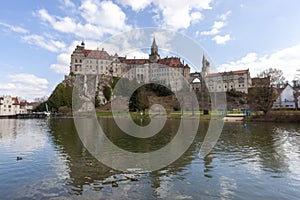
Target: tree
{"points": [[276, 76], [107, 92], [261, 98], [139, 100], [61, 96], [41, 99]]}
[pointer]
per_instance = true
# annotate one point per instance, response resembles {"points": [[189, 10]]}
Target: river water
{"points": [[257, 161]]}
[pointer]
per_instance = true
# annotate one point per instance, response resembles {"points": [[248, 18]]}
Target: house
{"points": [[26, 107], [10, 106], [285, 99]]}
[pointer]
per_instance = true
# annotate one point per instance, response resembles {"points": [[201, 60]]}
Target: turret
{"points": [[154, 56]]}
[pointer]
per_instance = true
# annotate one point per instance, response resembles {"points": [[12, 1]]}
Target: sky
{"points": [[38, 36]]}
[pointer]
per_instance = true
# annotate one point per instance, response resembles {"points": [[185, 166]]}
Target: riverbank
{"points": [[290, 116], [24, 116], [272, 116]]}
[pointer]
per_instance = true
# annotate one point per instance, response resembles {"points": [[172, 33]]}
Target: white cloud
{"points": [[196, 16], [287, 60], [136, 5], [179, 14], [62, 65], [100, 18], [221, 39], [29, 79], [171, 14], [105, 14], [27, 86], [138, 54], [225, 15], [46, 43], [216, 29], [16, 29], [68, 4]]}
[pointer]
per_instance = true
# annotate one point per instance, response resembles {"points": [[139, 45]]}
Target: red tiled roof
{"points": [[15, 100], [229, 73], [96, 54], [86, 51], [24, 103], [172, 62]]}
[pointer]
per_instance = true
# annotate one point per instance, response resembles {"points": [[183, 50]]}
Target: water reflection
{"points": [[23, 136], [259, 161]]}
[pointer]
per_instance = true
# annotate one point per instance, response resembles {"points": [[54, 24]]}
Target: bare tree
{"points": [[261, 98], [276, 76], [297, 77], [41, 99]]}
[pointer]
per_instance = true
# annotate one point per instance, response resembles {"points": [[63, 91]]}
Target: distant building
{"points": [[85, 61], [153, 69], [286, 98], [156, 69], [239, 80], [10, 106], [27, 107], [164, 71]]}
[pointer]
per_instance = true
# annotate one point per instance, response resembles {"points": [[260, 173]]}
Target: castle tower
{"points": [[205, 66], [154, 56]]}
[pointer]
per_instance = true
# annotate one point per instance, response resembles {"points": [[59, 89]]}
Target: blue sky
{"points": [[38, 36]]}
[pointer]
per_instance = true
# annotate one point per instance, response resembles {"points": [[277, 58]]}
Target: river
{"points": [[256, 161]]}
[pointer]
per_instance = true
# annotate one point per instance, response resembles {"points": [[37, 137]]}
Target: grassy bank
{"points": [[277, 116], [171, 115]]}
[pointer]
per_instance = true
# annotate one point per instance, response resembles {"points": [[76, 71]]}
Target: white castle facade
{"points": [[153, 69], [170, 70]]}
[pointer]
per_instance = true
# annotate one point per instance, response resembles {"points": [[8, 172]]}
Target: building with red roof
{"points": [[10, 106], [99, 62]]}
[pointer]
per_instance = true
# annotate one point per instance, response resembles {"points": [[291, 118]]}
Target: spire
{"points": [[154, 43], [154, 56]]}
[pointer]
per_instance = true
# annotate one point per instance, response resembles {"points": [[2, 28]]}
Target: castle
{"points": [[166, 70]]}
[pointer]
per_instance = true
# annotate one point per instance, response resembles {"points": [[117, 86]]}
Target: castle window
{"points": [[76, 60], [241, 80]]}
